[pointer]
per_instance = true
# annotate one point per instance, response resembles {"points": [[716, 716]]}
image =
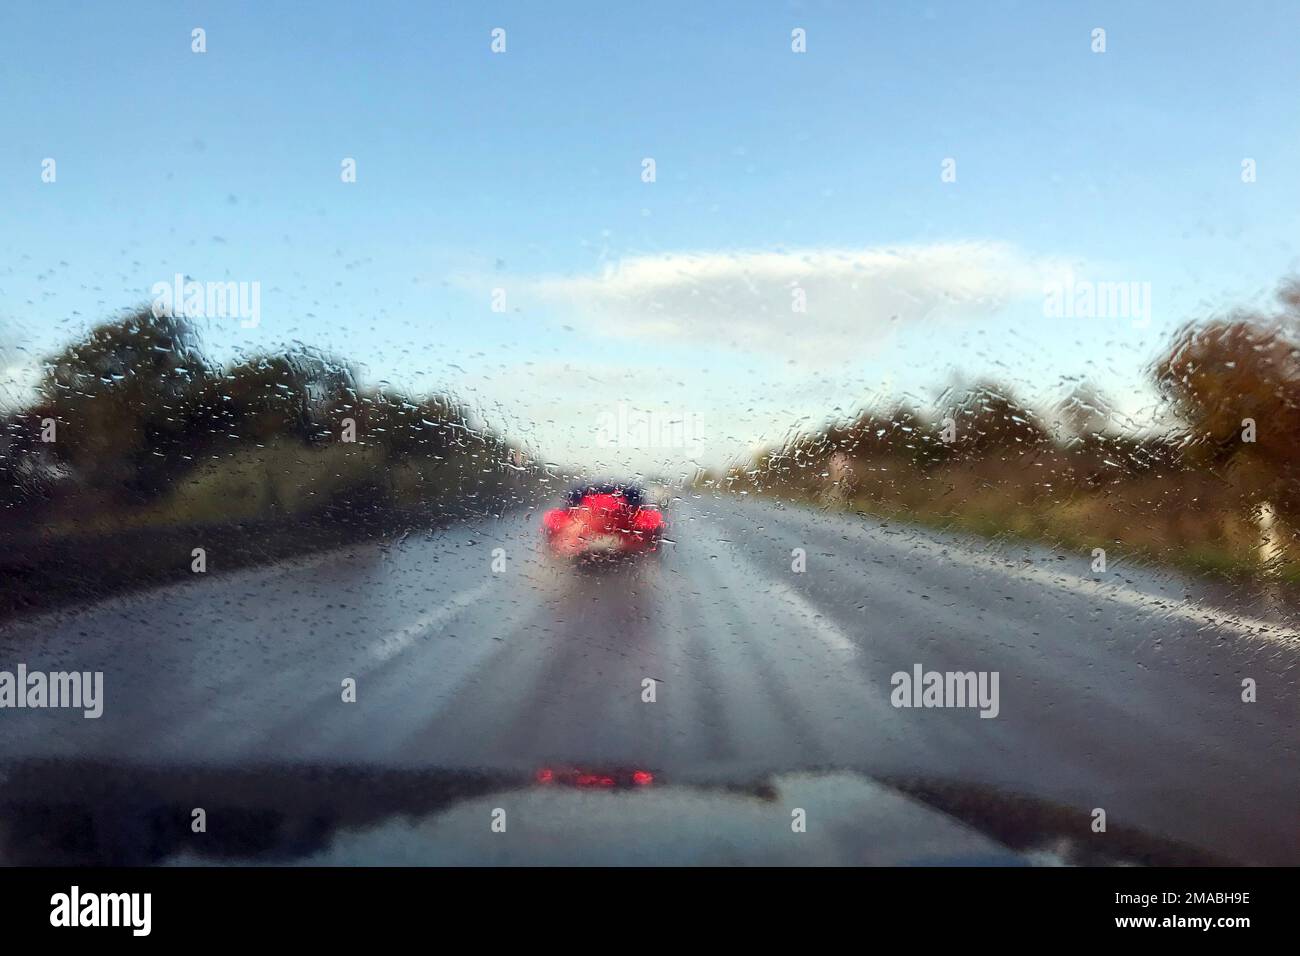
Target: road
{"points": [[1120, 691]]}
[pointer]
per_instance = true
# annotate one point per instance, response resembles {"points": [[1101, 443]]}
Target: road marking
{"points": [[822, 626], [390, 645], [1186, 610]]}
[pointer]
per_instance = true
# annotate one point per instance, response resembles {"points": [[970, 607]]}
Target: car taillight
{"points": [[647, 520], [603, 779], [554, 519]]}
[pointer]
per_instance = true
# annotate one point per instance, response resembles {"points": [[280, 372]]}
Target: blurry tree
{"points": [[1085, 412], [294, 394], [992, 422], [431, 427], [1217, 376], [125, 396], [1243, 367], [137, 405]]}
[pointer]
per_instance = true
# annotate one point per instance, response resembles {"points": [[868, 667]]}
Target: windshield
{"points": [[724, 421]]}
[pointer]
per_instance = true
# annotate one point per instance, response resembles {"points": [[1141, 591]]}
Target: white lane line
{"points": [[822, 626], [390, 645], [825, 629], [1125, 594]]}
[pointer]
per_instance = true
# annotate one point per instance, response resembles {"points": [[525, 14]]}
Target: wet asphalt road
{"points": [[1120, 691]]}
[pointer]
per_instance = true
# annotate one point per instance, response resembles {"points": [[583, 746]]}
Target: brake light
{"points": [[554, 519], [602, 779], [647, 519]]}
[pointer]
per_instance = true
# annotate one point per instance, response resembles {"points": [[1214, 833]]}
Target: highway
{"points": [[1120, 691]]}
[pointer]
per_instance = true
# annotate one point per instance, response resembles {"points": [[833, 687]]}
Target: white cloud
{"points": [[855, 298], [711, 338]]}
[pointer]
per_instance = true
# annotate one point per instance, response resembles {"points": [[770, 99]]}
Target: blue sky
{"points": [[522, 171]]}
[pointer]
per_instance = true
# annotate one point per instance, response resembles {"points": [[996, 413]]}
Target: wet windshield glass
{"points": [[707, 419]]}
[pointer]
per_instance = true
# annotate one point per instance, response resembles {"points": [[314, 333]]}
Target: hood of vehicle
{"points": [[76, 814]]}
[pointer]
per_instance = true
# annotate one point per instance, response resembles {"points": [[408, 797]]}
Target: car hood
{"points": [[78, 814]]}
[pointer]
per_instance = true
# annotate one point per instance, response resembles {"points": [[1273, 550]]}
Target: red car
{"points": [[605, 520]]}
